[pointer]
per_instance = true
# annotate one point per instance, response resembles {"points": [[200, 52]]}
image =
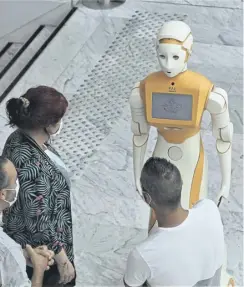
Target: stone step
{"points": [[9, 54], [23, 59]]}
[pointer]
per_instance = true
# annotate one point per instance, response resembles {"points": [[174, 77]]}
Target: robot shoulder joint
{"points": [[135, 99], [217, 101]]}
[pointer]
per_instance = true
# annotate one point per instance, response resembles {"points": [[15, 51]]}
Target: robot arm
{"points": [[217, 106], [140, 130]]}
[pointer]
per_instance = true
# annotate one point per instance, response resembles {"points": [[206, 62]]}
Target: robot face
{"points": [[172, 59]]}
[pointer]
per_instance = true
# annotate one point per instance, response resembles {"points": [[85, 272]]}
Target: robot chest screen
{"points": [[176, 107]]}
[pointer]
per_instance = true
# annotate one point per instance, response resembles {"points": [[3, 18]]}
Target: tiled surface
{"points": [[232, 4], [108, 202], [110, 170], [72, 77], [109, 217], [107, 86]]}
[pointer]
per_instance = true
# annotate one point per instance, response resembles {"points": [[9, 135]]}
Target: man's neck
{"points": [[171, 218]]}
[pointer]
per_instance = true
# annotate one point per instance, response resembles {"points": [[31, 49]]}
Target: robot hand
{"points": [[223, 194]]}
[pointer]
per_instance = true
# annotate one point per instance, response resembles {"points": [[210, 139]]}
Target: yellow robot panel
{"points": [[175, 105]]}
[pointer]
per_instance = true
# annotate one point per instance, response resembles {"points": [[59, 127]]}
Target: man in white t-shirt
{"points": [[187, 247]]}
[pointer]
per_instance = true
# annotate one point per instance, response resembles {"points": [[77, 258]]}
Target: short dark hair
{"points": [[38, 108], [162, 181], [3, 174]]}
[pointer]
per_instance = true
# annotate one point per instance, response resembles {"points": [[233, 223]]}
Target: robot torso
{"points": [[175, 105]]}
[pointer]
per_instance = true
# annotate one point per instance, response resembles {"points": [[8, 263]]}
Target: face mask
{"points": [[58, 131], [12, 194], [147, 198]]}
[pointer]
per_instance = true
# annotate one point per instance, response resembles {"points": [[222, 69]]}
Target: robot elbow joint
{"points": [[135, 128], [227, 132]]}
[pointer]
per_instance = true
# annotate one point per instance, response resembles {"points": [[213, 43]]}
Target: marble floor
{"points": [[104, 54]]}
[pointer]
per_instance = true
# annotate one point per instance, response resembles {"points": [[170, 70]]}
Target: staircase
{"points": [[16, 58]]}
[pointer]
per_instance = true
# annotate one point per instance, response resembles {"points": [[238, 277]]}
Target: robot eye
{"points": [[176, 57], [162, 56]]}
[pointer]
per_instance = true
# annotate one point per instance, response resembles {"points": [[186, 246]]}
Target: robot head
{"points": [[174, 46]]}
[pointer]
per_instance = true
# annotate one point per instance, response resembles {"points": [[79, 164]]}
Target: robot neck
{"points": [[185, 69]]}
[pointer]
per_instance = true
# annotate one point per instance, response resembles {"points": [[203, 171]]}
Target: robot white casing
{"points": [[183, 96], [173, 100]]}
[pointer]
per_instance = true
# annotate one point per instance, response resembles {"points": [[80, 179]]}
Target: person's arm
{"points": [[137, 270], [14, 261], [40, 263], [34, 200], [37, 278], [44, 252]]}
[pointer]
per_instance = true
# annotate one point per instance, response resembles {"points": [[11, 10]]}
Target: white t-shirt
{"points": [[181, 256], [12, 263]]}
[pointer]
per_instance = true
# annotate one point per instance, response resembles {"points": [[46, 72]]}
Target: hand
{"points": [[39, 262], [42, 250], [66, 272], [223, 194], [65, 267]]}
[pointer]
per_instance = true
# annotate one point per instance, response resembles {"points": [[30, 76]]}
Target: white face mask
{"points": [[58, 131], [12, 194]]}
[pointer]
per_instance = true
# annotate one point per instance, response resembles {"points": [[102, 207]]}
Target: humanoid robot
{"points": [[173, 101]]}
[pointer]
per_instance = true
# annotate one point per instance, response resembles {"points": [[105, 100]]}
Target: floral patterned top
{"points": [[42, 212]]}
